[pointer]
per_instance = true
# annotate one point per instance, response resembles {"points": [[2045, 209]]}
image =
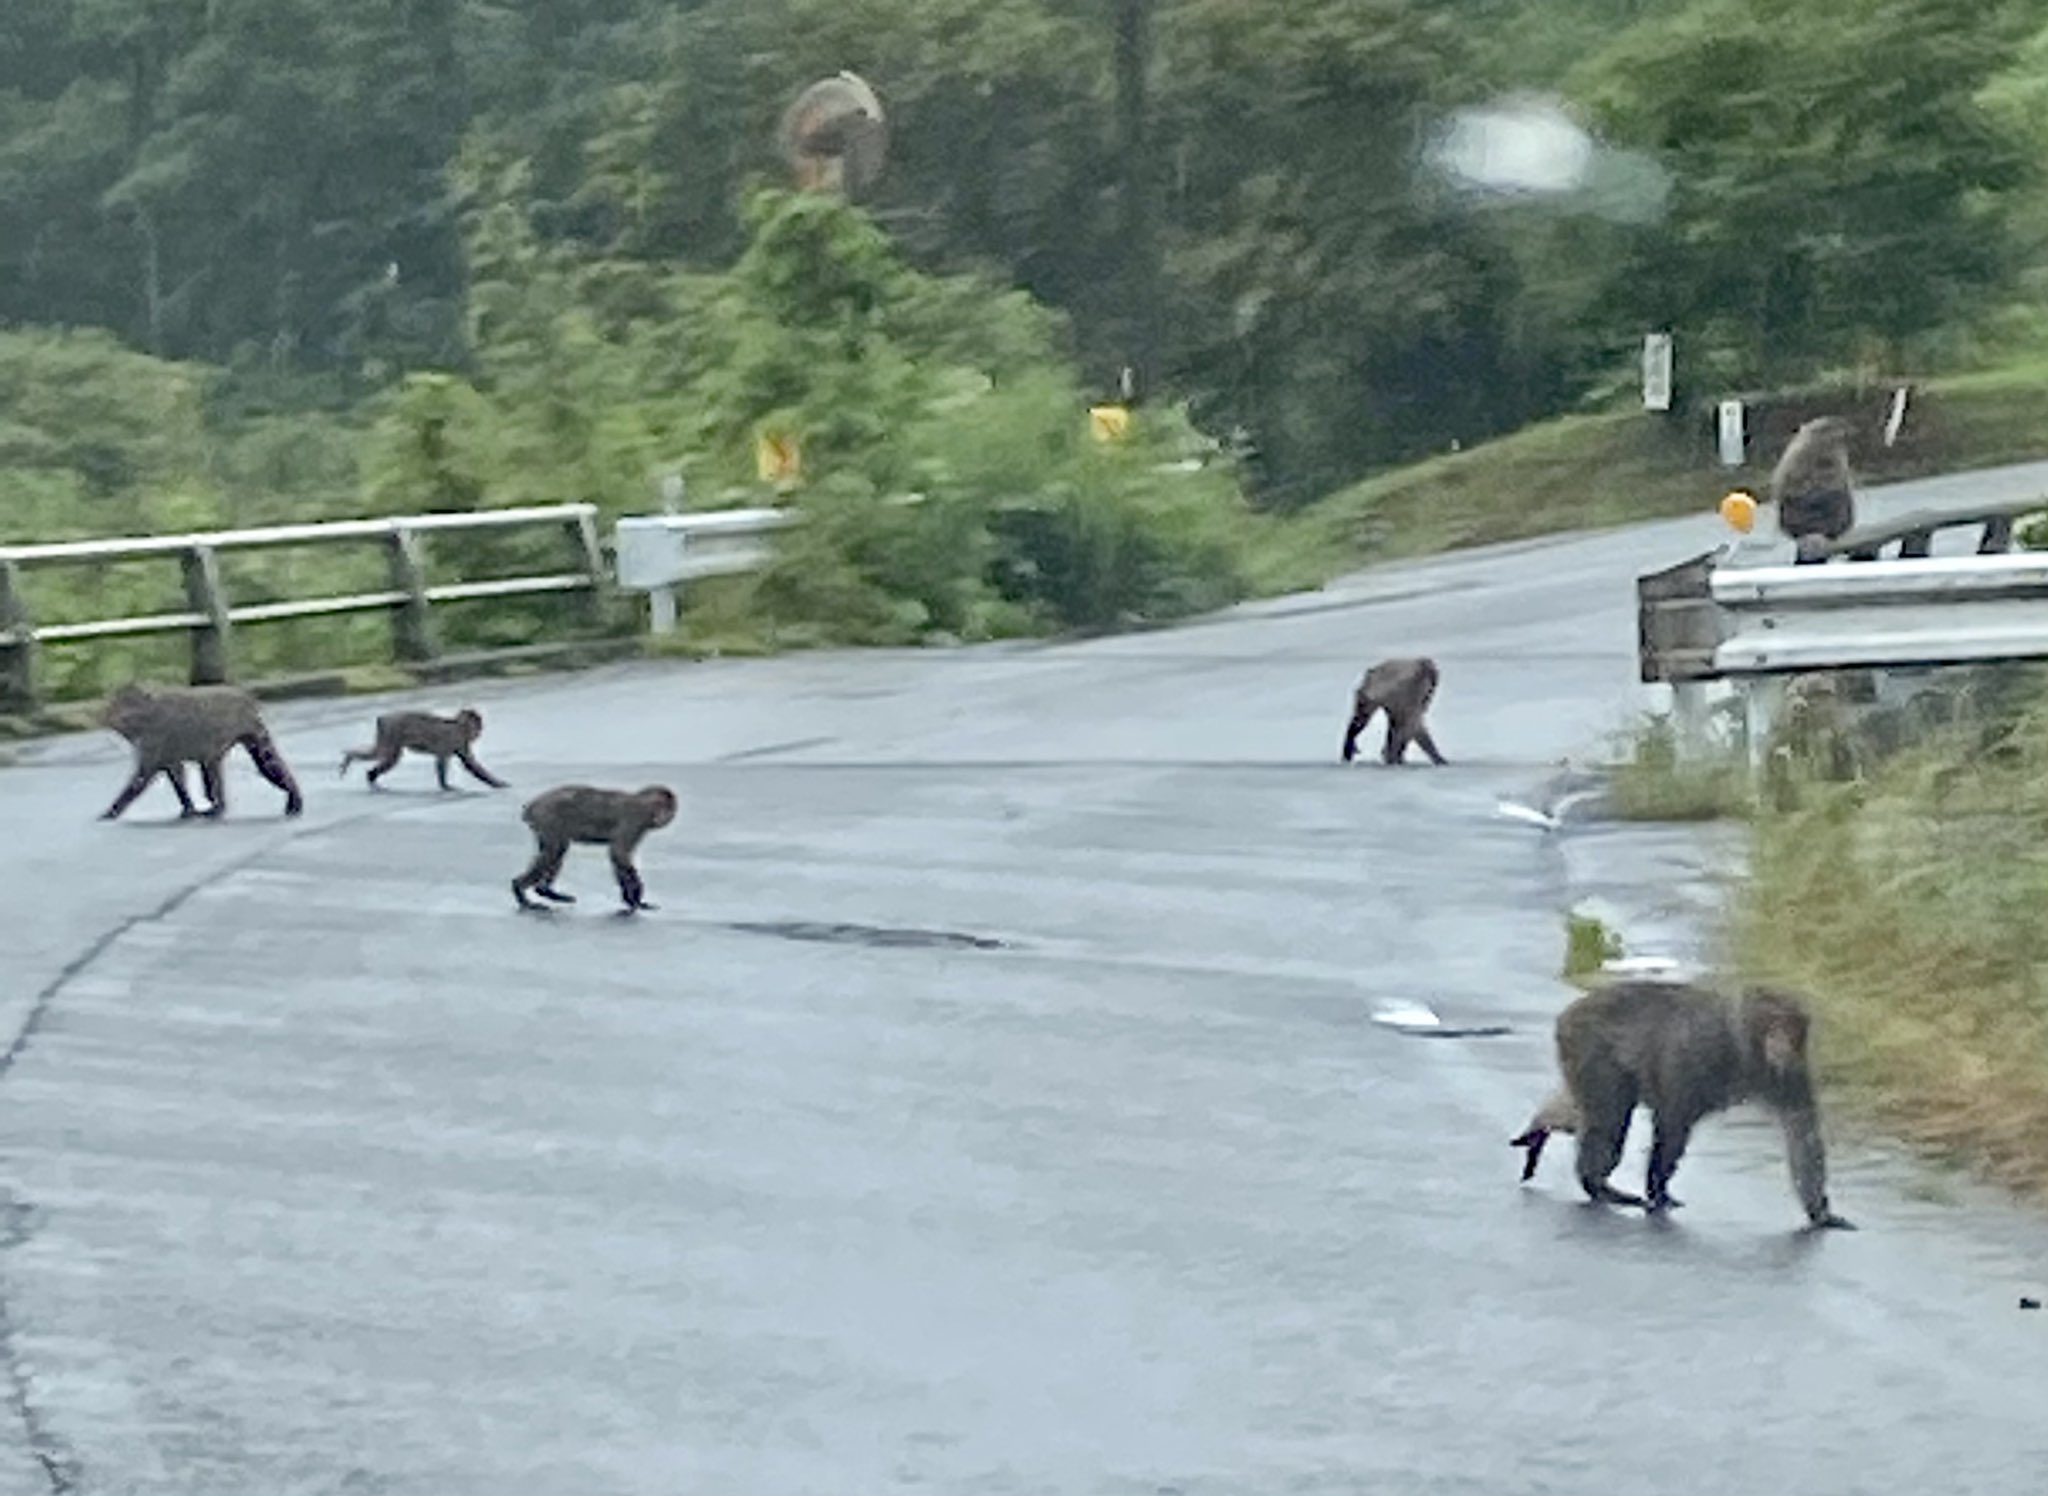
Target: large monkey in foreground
{"points": [[171, 726], [1685, 1053]]}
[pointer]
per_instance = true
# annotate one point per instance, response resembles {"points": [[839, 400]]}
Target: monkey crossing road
{"points": [[325, 1171]]}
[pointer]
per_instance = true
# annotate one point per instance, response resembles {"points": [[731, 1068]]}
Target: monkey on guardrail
{"points": [[423, 732], [1812, 485], [171, 726]]}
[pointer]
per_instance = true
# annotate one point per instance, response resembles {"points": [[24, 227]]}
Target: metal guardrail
{"points": [[1720, 616], [1715, 616], [1914, 533], [210, 615], [657, 553]]}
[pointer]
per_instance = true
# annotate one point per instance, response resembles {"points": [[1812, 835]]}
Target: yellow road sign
{"points": [[777, 458], [1109, 423]]}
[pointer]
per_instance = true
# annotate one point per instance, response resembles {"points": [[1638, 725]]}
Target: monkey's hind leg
{"points": [[382, 762], [1533, 1139], [540, 875], [441, 771], [175, 773], [1671, 1132], [271, 765], [1605, 1111]]}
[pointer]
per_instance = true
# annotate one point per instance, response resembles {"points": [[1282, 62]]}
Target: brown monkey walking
{"points": [[1404, 688], [423, 732], [1812, 485], [171, 726], [1685, 1053], [573, 813]]}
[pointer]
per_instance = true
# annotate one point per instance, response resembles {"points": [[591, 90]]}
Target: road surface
{"points": [[993, 1106]]}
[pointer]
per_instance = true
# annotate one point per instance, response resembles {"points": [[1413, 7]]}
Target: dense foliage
{"points": [[277, 186]]}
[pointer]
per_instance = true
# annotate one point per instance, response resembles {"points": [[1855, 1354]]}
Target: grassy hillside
{"points": [[1592, 471]]}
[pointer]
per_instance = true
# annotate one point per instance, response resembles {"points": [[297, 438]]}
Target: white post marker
{"points": [[1733, 440], [1691, 718], [661, 601], [1897, 418], [1657, 371]]}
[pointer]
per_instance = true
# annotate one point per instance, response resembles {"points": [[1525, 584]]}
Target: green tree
{"points": [[1834, 198]]}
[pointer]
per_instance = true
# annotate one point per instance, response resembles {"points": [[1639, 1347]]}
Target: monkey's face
{"points": [[1779, 1030], [471, 719], [663, 804]]}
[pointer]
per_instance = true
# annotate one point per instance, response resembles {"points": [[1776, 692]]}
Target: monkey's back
{"points": [[1671, 1036], [575, 812], [1406, 679], [1815, 460], [190, 723], [423, 732]]}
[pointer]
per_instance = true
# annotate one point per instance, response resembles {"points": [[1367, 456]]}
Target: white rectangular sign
{"points": [[1657, 371], [1733, 441]]}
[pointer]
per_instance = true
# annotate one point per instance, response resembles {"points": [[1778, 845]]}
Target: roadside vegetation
{"points": [[1895, 876], [1908, 905]]}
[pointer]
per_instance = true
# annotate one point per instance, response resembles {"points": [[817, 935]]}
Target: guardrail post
{"points": [[17, 642], [1690, 716], [211, 642], [412, 622], [1762, 695], [1997, 538], [583, 538]]}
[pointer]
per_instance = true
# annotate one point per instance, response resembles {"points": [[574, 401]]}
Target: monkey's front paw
{"points": [[1832, 1222], [556, 896]]}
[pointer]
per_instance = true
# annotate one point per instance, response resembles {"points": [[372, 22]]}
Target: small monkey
{"points": [[1557, 1114], [423, 732], [171, 726], [572, 813], [1685, 1053], [1813, 486], [1403, 688]]}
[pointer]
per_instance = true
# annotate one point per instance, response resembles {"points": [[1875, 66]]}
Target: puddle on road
{"points": [[870, 935]]}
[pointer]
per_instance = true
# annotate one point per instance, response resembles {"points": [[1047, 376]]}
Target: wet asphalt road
{"points": [[326, 1172]]}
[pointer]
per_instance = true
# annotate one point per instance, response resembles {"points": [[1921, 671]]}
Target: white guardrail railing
{"points": [[1721, 617], [655, 555]]}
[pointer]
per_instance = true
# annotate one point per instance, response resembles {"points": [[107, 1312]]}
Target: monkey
{"points": [[571, 813], [1404, 688], [1684, 1052], [1558, 1113], [171, 726], [1813, 487], [423, 732]]}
